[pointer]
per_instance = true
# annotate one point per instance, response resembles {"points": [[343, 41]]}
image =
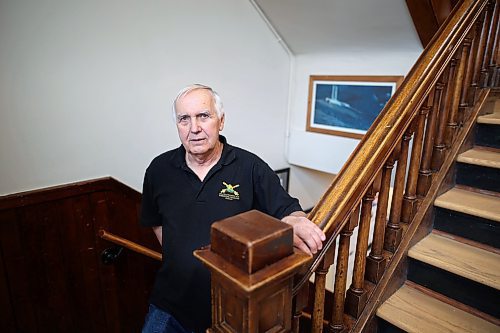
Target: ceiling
{"points": [[325, 26]]}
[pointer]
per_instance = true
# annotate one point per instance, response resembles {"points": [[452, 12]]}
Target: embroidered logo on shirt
{"points": [[229, 193]]}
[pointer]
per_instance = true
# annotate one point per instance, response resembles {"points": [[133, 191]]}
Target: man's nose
{"points": [[195, 125]]}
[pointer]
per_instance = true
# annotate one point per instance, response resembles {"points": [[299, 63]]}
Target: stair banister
{"points": [[431, 105], [365, 162]]}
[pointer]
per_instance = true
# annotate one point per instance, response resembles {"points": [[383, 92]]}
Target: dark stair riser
{"points": [[468, 226], [488, 135], [384, 326], [478, 176], [463, 290]]}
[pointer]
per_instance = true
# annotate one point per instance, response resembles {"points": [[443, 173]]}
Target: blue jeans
{"points": [[159, 321]]}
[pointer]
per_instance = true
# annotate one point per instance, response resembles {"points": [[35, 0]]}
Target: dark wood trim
{"points": [[51, 275], [59, 192], [424, 19], [428, 16]]}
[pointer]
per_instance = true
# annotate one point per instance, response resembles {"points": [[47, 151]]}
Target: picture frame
{"points": [[347, 105], [284, 176]]}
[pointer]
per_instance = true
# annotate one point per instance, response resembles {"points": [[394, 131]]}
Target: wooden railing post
{"points": [[492, 72], [356, 296], [439, 148], [495, 57], [410, 197], [489, 30], [393, 231], [375, 263], [462, 108], [453, 120], [425, 173], [299, 303], [252, 261], [319, 290], [337, 316], [482, 36]]}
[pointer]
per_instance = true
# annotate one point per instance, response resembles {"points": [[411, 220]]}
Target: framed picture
{"points": [[347, 105], [284, 176]]}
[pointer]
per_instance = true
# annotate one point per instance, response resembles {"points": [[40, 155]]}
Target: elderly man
{"points": [[187, 189]]}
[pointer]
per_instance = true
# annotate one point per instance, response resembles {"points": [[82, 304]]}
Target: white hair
{"points": [[215, 98]]}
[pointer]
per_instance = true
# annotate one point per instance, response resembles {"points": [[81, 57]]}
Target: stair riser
{"points": [[478, 176], [463, 290], [468, 226], [384, 326], [488, 135]]}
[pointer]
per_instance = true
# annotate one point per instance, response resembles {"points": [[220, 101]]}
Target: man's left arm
{"points": [[307, 236]]}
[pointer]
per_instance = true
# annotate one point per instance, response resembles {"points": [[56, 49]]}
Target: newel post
{"points": [[252, 263]]}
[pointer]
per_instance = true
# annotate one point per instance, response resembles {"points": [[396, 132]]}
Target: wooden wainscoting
{"points": [[51, 275]]}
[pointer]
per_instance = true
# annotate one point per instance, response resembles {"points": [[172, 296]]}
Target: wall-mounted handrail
{"points": [[129, 245]]}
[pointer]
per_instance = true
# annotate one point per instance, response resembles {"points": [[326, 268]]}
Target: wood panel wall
{"points": [[51, 275], [428, 16]]}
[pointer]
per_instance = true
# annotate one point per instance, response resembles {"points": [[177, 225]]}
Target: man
{"points": [[187, 189]]}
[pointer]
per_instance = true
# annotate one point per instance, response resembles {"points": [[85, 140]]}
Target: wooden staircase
{"points": [[454, 273], [407, 161]]}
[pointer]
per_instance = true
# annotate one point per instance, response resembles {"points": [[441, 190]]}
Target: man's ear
{"points": [[221, 125]]}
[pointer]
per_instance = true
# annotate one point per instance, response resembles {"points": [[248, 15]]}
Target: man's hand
{"points": [[307, 236]]}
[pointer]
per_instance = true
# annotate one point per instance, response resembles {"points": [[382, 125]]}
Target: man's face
{"points": [[197, 122]]}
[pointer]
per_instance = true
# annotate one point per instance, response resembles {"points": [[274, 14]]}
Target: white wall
{"points": [[86, 86], [314, 156], [331, 152]]}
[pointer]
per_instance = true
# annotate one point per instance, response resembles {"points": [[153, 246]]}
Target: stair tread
{"points": [[482, 157], [462, 259], [472, 203], [491, 118], [414, 311]]}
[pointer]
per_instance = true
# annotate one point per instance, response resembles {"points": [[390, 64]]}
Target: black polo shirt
{"points": [[174, 197]]}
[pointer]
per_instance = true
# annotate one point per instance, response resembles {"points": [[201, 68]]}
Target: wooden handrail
{"points": [[129, 245], [358, 173]]}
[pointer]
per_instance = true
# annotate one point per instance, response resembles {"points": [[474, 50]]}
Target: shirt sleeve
{"points": [[271, 198], [150, 216]]}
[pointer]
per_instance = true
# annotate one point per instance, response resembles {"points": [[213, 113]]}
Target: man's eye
{"points": [[183, 119], [204, 116]]}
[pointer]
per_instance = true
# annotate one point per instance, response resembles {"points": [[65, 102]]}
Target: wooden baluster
{"points": [[425, 173], [485, 64], [393, 231], [319, 290], [479, 56], [337, 321], [496, 51], [375, 263], [494, 44], [439, 148], [299, 303], [453, 120], [357, 295], [469, 73], [462, 108], [410, 196]]}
